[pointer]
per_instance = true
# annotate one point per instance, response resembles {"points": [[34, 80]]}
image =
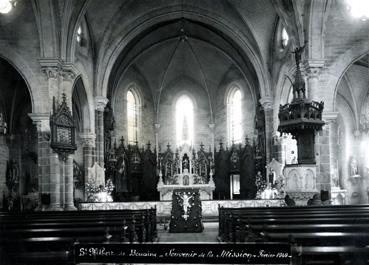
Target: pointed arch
{"points": [[133, 114], [234, 114]]}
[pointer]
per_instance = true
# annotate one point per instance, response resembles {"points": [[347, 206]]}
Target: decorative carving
{"points": [[100, 103], [88, 139], [313, 67], [96, 175], [51, 71], [62, 129], [302, 117], [185, 168], [300, 178], [266, 103]]}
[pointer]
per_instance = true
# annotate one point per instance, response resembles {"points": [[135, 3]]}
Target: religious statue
{"points": [[185, 204], [272, 177], [12, 175], [353, 166], [185, 163], [121, 180], [260, 182], [298, 51]]}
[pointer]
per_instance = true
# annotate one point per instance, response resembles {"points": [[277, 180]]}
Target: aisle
{"points": [[208, 235]]}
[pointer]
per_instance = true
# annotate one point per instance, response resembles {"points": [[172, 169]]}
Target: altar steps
{"points": [[209, 235]]}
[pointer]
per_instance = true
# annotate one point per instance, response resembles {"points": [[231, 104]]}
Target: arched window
{"points": [[234, 114], [284, 38], [184, 121], [132, 116], [79, 35]]}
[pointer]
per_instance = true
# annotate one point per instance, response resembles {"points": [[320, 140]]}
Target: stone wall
{"points": [[146, 114], [202, 115]]}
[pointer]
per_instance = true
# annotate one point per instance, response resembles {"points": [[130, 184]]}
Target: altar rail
{"points": [[163, 208]]}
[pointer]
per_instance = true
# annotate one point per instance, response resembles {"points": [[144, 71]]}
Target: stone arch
{"points": [[88, 87], [222, 25], [282, 90], [29, 76], [80, 91], [334, 73]]}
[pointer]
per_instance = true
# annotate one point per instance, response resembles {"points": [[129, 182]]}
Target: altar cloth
{"points": [[163, 208]]}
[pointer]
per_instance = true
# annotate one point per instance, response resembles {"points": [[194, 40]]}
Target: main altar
{"points": [[186, 169]]}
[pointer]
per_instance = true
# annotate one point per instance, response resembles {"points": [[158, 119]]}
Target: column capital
{"points": [[266, 103], [88, 139], [157, 126], [51, 67], [329, 116], [69, 71], [211, 126], [357, 134], [313, 67], [41, 120], [100, 103]]}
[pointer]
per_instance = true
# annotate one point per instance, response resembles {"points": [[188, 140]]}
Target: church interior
{"points": [[225, 121]]}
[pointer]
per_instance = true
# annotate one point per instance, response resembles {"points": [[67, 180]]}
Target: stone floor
{"points": [[208, 235]]}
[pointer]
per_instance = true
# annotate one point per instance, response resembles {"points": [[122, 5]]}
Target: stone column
{"points": [[52, 70], [55, 179], [324, 148], [4, 158], [41, 120], [100, 103], [313, 68], [68, 74], [69, 195], [212, 132], [267, 104], [278, 152], [89, 145], [157, 127]]}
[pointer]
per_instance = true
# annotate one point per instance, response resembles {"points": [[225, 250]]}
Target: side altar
{"points": [[186, 169]]}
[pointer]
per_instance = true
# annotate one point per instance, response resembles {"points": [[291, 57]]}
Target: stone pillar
{"points": [[69, 194], [89, 145], [52, 70], [4, 158], [267, 104], [313, 68], [55, 179], [278, 153], [100, 103], [324, 148], [41, 120], [68, 77], [212, 135], [157, 127]]}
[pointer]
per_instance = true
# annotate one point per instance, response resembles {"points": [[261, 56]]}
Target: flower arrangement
{"points": [[99, 193], [260, 183]]}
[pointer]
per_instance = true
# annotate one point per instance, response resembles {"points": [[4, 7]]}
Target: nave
{"points": [[238, 121], [317, 235]]}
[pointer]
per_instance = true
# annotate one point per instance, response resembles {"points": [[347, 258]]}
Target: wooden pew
{"points": [[341, 229], [41, 233]]}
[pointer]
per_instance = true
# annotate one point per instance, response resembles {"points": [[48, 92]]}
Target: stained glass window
{"points": [[79, 34], [285, 38], [235, 131], [184, 121], [132, 116]]}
